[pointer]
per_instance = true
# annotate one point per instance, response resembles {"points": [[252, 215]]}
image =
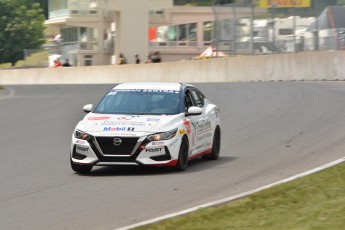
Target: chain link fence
{"points": [[239, 29]]}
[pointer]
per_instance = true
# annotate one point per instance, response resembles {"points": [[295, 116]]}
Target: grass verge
{"points": [[314, 202], [36, 59]]}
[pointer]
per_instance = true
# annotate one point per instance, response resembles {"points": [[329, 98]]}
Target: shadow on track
{"points": [[194, 165]]}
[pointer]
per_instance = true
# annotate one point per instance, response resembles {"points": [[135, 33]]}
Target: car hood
{"points": [[127, 125]]}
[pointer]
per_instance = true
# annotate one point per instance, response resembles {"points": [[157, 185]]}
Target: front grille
{"points": [[124, 149], [116, 158]]}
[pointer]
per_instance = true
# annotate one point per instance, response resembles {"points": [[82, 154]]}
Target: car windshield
{"points": [[139, 101]]}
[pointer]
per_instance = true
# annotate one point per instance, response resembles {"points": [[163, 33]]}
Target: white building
{"points": [[94, 32]]}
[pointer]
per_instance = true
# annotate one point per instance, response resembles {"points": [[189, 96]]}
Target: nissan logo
{"points": [[117, 141]]}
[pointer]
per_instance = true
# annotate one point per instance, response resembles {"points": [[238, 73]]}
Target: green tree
{"points": [[43, 5], [21, 27]]}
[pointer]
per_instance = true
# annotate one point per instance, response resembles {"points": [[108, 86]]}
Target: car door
{"points": [[201, 123]]}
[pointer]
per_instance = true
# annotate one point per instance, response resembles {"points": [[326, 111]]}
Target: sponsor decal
{"points": [[203, 137], [204, 126], [154, 150], [153, 119], [123, 123], [146, 90], [203, 146], [98, 118], [82, 148], [80, 142], [158, 143], [284, 3], [114, 129], [159, 91], [127, 90], [109, 134], [193, 134], [187, 125], [126, 118]]}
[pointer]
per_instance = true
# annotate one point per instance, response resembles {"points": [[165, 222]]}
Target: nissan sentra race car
{"points": [[147, 123]]}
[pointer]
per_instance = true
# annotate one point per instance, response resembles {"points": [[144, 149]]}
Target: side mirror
{"points": [[194, 110], [87, 108]]}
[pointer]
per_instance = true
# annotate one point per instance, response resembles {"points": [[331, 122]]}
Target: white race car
{"points": [[147, 123]]}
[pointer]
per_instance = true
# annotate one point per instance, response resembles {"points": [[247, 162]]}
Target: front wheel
{"points": [[214, 155], [182, 160], [82, 169]]}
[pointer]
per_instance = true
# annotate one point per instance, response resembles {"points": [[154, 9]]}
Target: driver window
{"points": [[198, 101], [188, 102]]}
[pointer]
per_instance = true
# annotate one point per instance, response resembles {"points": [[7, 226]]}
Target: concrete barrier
{"points": [[307, 66]]}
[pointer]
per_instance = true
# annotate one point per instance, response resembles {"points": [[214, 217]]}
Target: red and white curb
{"points": [[231, 198]]}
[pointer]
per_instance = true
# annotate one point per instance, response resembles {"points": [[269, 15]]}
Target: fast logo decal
{"points": [[113, 129]]}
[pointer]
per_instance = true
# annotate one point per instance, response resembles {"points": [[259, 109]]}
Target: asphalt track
{"points": [[270, 131]]}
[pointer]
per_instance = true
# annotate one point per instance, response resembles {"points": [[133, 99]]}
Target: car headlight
{"points": [[162, 136], [81, 135]]}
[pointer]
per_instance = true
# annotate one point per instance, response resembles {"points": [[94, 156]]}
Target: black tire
{"points": [[82, 169], [182, 160], [214, 155]]}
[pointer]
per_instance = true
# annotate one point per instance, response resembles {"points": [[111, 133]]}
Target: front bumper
{"points": [[101, 151]]}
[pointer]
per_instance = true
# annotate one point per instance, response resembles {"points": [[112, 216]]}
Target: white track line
{"points": [[231, 198], [10, 94]]}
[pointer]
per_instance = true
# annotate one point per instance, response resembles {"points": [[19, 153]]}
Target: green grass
{"points": [[5, 65], [36, 59], [314, 202]]}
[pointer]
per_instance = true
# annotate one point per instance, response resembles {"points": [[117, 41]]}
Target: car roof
{"points": [[150, 85]]}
